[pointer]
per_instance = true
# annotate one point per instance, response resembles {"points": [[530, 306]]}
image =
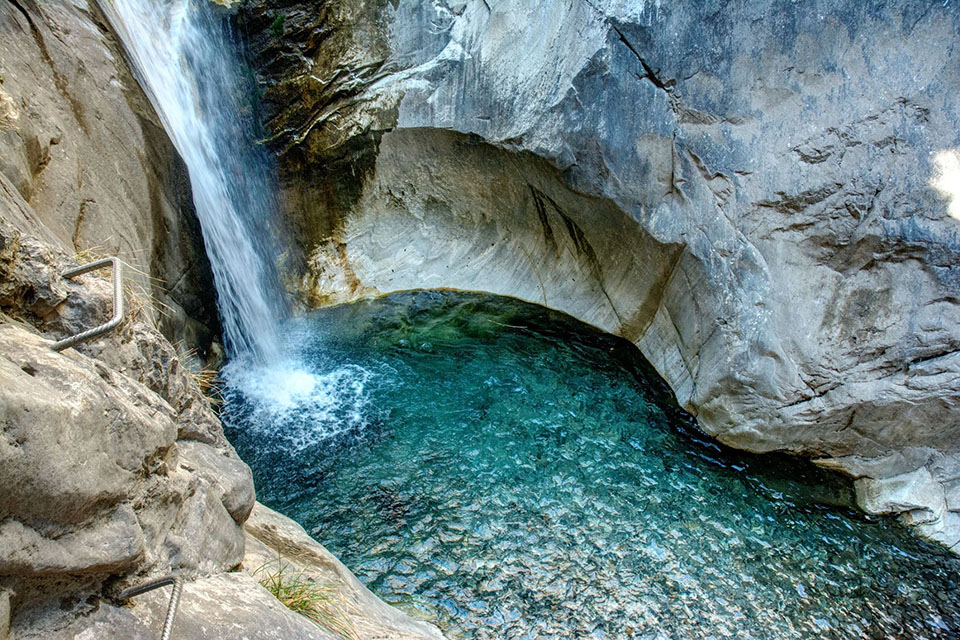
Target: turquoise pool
{"points": [[508, 472]]}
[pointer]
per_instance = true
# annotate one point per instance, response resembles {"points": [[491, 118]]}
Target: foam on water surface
{"points": [[295, 404]]}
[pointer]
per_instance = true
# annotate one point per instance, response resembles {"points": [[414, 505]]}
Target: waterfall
{"points": [[187, 66]]}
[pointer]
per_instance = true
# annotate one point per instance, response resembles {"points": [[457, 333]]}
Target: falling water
{"points": [[186, 64]]}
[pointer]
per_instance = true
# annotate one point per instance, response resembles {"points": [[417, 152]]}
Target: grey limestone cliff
{"points": [[82, 146]]}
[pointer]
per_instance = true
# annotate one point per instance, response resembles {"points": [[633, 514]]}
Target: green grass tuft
{"points": [[277, 26]]}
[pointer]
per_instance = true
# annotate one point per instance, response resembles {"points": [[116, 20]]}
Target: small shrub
{"points": [[277, 26]]}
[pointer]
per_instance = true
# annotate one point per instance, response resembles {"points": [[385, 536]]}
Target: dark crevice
{"points": [[925, 359], [648, 72], [544, 221], [581, 245], [816, 394], [79, 223]]}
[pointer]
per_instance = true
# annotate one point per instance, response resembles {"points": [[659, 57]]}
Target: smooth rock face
{"points": [[765, 189], [81, 145], [435, 236], [226, 606]]}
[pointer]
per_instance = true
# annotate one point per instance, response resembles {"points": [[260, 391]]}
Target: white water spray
{"points": [[187, 67], [300, 405], [185, 63]]}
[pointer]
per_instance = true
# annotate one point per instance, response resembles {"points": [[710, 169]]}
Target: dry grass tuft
{"points": [[206, 378], [141, 304], [301, 594]]}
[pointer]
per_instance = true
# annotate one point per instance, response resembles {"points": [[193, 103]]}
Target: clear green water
{"points": [[507, 472]]}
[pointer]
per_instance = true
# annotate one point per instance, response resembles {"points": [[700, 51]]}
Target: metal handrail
{"points": [[177, 583], [117, 301]]}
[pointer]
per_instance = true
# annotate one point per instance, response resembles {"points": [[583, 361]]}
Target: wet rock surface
{"points": [[756, 194]]}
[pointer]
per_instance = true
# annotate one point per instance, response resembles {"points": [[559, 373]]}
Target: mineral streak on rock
{"points": [[756, 193]]}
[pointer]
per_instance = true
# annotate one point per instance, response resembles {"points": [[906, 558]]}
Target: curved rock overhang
{"points": [[756, 194]]}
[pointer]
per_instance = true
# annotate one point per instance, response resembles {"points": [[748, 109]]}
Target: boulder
{"points": [[72, 441], [93, 480], [912, 492], [224, 470], [95, 484]]}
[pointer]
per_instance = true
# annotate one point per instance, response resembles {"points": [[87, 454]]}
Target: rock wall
{"points": [[758, 194], [114, 469], [112, 463], [81, 145]]}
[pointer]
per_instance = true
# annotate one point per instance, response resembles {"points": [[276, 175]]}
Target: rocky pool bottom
{"points": [[507, 472]]}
